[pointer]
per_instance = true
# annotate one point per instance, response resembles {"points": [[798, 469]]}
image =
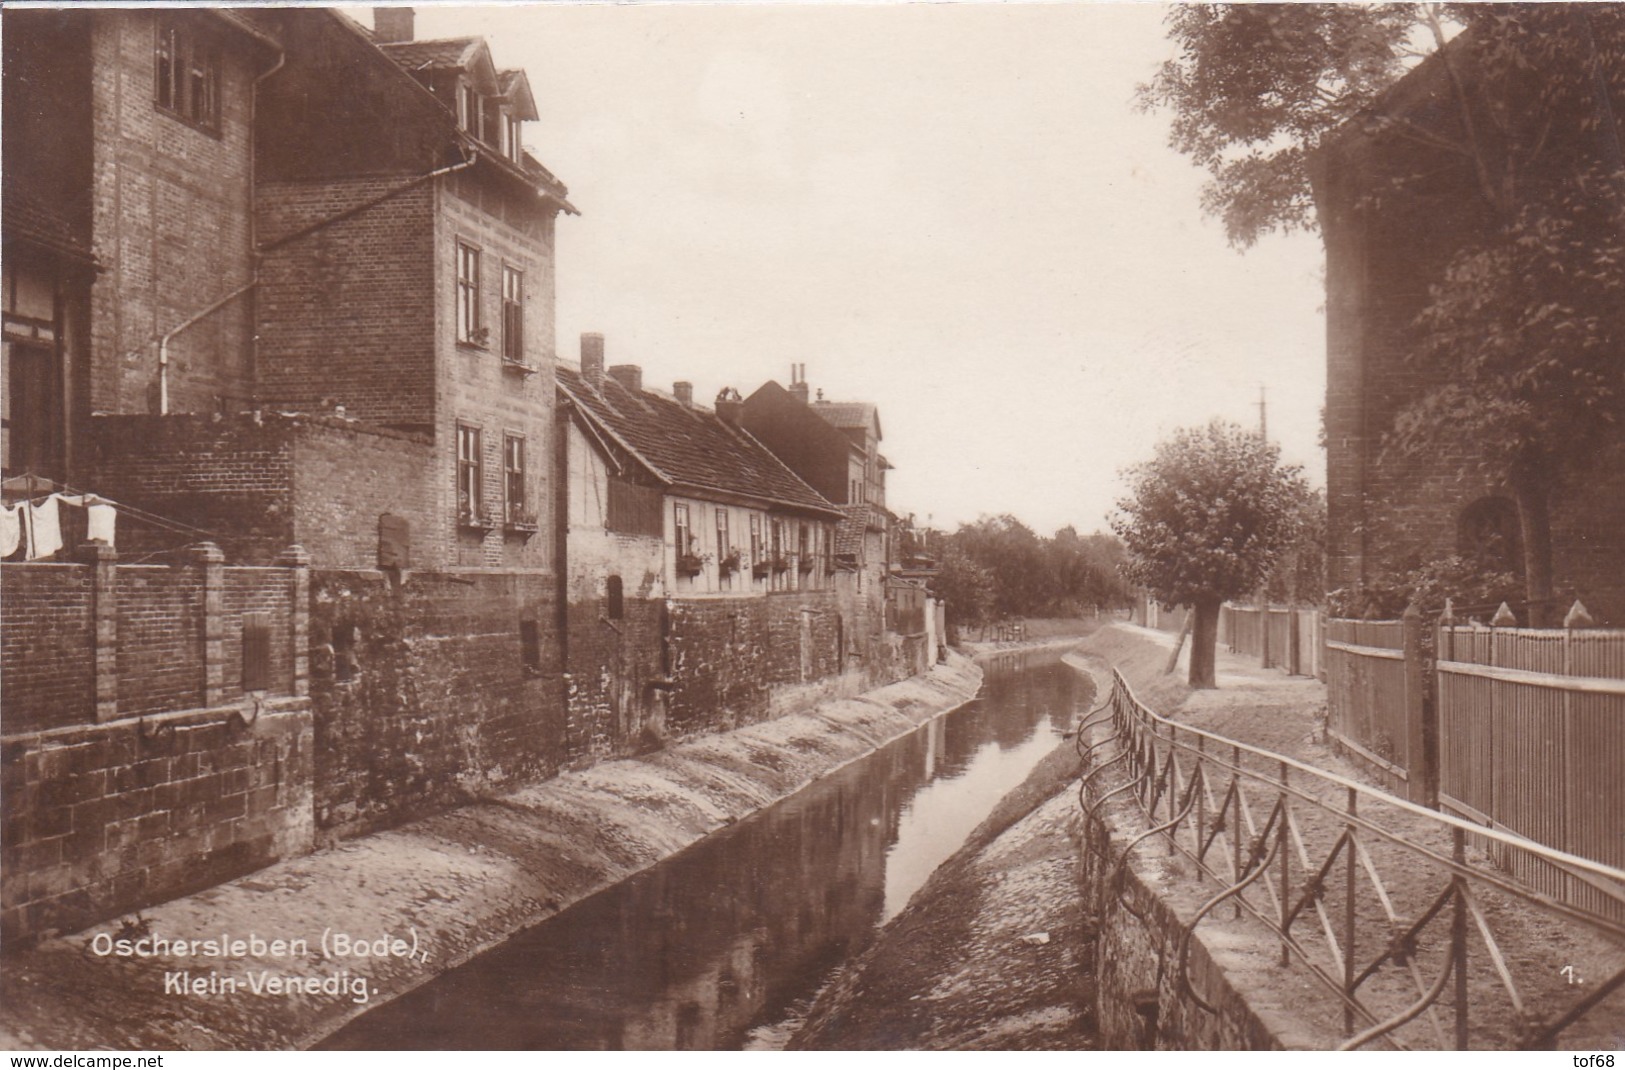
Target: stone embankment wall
{"points": [[458, 882], [1144, 1000]]}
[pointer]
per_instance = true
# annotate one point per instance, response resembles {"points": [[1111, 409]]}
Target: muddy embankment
{"points": [[331, 935], [993, 953]]}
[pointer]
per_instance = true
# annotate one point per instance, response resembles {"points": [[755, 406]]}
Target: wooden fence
{"points": [[1295, 641], [1532, 740], [1367, 712]]}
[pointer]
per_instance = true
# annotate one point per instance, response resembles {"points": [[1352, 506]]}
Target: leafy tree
{"points": [[1205, 520], [967, 587], [1300, 576], [1523, 319]]}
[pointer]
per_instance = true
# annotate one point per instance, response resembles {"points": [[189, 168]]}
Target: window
{"points": [[684, 535], [615, 597], [513, 314], [513, 480], [516, 148], [187, 77], [722, 533], [755, 539], [470, 475], [492, 124], [468, 295], [468, 107]]}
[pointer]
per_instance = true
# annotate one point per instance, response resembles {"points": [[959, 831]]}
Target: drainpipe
{"points": [[336, 217], [163, 343], [253, 218]]}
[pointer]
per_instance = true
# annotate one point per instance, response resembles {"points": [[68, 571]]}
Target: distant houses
{"points": [[279, 292]]}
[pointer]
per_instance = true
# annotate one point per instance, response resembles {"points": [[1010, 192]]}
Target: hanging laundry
{"points": [[101, 519], [11, 529], [44, 529]]}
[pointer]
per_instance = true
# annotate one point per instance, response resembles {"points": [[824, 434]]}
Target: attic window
{"points": [[516, 148], [186, 74]]}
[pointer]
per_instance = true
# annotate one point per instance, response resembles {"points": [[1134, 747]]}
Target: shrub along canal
{"points": [[726, 935]]}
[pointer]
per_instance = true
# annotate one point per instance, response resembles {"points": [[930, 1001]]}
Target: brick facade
{"points": [[171, 204], [1389, 511]]}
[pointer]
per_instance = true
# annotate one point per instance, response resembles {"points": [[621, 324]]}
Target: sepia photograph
{"points": [[811, 526]]}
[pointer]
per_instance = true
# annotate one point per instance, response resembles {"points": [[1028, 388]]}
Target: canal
{"points": [[726, 936]]}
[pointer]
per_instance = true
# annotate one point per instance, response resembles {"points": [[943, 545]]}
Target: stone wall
{"points": [[424, 692]]}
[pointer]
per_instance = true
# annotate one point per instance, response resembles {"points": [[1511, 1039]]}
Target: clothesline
{"points": [[179, 527]]}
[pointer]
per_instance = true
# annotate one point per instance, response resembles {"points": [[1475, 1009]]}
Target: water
{"points": [[728, 934]]}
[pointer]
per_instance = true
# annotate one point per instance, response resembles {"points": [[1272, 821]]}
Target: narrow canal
{"points": [[729, 934]]}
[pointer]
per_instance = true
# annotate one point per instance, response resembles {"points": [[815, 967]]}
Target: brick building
{"points": [[270, 279], [835, 447], [1393, 211], [699, 573]]}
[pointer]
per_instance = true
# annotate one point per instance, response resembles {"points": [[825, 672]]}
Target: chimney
{"points": [[798, 382], [730, 406], [592, 360], [391, 24], [628, 375], [684, 392]]}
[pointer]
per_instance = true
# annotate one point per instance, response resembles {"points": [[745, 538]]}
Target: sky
{"points": [[955, 211]]}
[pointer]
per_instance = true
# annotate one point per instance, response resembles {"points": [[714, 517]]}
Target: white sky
{"points": [[952, 210]]}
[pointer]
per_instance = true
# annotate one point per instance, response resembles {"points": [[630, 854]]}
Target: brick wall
{"points": [[99, 641], [46, 633], [105, 819], [610, 707], [230, 477], [1392, 511], [160, 638], [171, 222], [727, 655], [421, 691], [257, 484], [347, 313]]}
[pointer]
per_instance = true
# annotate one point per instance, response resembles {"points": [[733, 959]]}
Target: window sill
{"points": [[522, 528], [211, 129], [481, 524], [473, 346], [519, 367]]}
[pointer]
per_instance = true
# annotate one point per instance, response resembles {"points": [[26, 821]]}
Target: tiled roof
{"points": [[849, 532], [845, 414], [418, 55], [689, 447], [31, 218]]}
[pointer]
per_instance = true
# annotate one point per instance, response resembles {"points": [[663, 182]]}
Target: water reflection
{"points": [[692, 953]]}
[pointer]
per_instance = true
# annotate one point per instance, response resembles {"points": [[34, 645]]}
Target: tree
{"points": [[1205, 520], [1522, 320], [967, 587]]}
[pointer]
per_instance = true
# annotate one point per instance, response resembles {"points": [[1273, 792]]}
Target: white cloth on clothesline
{"points": [[11, 529], [44, 529]]}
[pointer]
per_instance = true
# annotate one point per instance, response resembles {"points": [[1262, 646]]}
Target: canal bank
{"points": [[286, 956]]}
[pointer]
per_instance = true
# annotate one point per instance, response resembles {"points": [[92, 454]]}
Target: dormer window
{"points": [[468, 108], [516, 148]]}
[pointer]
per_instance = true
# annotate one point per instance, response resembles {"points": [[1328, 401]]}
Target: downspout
{"points": [[253, 225], [163, 343]]}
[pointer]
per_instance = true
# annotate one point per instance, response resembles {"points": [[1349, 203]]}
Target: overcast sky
{"points": [[952, 210]]}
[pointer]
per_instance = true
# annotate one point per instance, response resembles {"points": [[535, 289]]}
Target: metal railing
{"points": [[1413, 957]]}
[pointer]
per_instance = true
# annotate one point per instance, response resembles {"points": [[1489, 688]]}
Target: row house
{"points": [[676, 518]]}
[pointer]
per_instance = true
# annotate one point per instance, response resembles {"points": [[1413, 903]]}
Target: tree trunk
{"points": [[1535, 527], [1204, 643]]}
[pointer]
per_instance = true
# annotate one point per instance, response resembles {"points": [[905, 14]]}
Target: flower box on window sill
{"points": [[518, 367], [728, 565], [479, 338], [690, 565], [760, 569], [521, 523], [481, 522], [804, 566]]}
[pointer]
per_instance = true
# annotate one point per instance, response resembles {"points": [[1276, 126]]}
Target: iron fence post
{"points": [[1458, 937]]}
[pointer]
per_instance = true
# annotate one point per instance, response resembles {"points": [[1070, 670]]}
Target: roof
{"points": [[448, 52], [30, 218], [849, 414], [849, 532], [688, 448]]}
